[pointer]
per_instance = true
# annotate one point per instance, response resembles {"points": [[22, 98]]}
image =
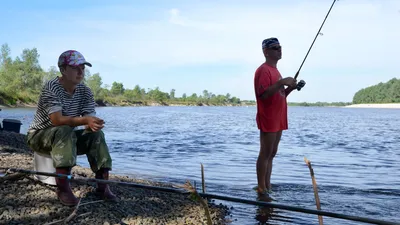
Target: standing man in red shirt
{"points": [[271, 116]]}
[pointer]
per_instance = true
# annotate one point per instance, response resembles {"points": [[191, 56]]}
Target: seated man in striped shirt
{"points": [[64, 104]]}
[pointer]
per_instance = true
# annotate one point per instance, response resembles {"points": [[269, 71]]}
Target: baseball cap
{"points": [[269, 42], [72, 58]]}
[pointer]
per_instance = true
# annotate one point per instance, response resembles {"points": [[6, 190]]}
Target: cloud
{"points": [[175, 18]]}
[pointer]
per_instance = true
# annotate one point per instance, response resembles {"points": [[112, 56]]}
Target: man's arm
{"points": [[298, 86], [57, 119], [53, 106], [271, 90], [264, 88], [288, 90], [89, 108]]}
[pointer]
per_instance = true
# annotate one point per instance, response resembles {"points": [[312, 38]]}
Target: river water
{"points": [[355, 155]]}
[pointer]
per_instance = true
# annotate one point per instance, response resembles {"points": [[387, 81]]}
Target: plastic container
{"points": [[12, 125], [44, 163]]}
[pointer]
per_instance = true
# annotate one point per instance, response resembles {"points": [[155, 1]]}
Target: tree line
{"points": [[22, 78], [388, 92], [319, 104]]}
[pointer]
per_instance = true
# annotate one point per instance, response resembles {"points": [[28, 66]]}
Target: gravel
{"points": [[25, 200]]}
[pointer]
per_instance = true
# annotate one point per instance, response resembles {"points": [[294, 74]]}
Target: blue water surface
{"points": [[355, 155]]}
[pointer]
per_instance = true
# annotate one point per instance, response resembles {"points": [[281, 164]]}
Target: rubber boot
{"points": [[64, 192], [103, 190]]}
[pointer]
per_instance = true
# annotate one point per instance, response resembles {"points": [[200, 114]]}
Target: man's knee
{"points": [[274, 152], [63, 149], [268, 144], [266, 151], [63, 159], [267, 139], [97, 136], [64, 129], [276, 144], [100, 140], [45, 140], [64, 132], [99, 143]]}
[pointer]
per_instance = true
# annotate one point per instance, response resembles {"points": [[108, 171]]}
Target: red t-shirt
{"points": [[271, 112]]}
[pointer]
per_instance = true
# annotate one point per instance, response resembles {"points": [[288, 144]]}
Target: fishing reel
{"points": [[300, 85]]}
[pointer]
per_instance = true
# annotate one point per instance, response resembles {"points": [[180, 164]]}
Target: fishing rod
{"points": [[205, 195], [318, 33]]}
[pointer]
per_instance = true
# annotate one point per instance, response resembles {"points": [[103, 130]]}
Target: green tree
{"points": [[87, 76], [172, 94], [137, 93], [22, 78], [227, 96], [53, 72], [157, 95], [206, 95], [5, 58], [94, 82], [388, 92], [235, 100], [31, 74], [129, 94], [117, 88]]}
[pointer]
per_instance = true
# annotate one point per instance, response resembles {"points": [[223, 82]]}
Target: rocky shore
{"points": [[25, 200]]}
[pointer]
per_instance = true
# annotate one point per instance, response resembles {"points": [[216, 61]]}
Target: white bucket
{"points": [[44, 163]]}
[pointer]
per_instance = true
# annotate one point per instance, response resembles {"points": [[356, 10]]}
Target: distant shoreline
{"points": [[376, 106], [366, 105], [152, 104]]}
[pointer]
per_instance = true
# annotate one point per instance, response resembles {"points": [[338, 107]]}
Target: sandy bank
{"points": [[27, 201], [382, 106]]}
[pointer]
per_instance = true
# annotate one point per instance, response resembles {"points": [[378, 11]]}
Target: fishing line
{"points": [[318, 33]]}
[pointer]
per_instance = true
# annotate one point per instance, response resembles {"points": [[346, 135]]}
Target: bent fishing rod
{"points": [[318, 33], [204, 195]]}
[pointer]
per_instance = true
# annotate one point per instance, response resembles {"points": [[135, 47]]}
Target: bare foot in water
{"points": [[264, 196]]}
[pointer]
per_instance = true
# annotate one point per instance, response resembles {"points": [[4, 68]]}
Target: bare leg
{"points": [[270, 161], [267, 143]]}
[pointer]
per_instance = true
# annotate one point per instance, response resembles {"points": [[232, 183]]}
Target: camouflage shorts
{"points": [[64, 143]]}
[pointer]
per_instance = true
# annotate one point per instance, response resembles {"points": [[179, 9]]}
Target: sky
{"points": [[196, 45]]}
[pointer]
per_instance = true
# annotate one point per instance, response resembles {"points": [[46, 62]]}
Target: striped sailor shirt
{"points": [[55, 98]]}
